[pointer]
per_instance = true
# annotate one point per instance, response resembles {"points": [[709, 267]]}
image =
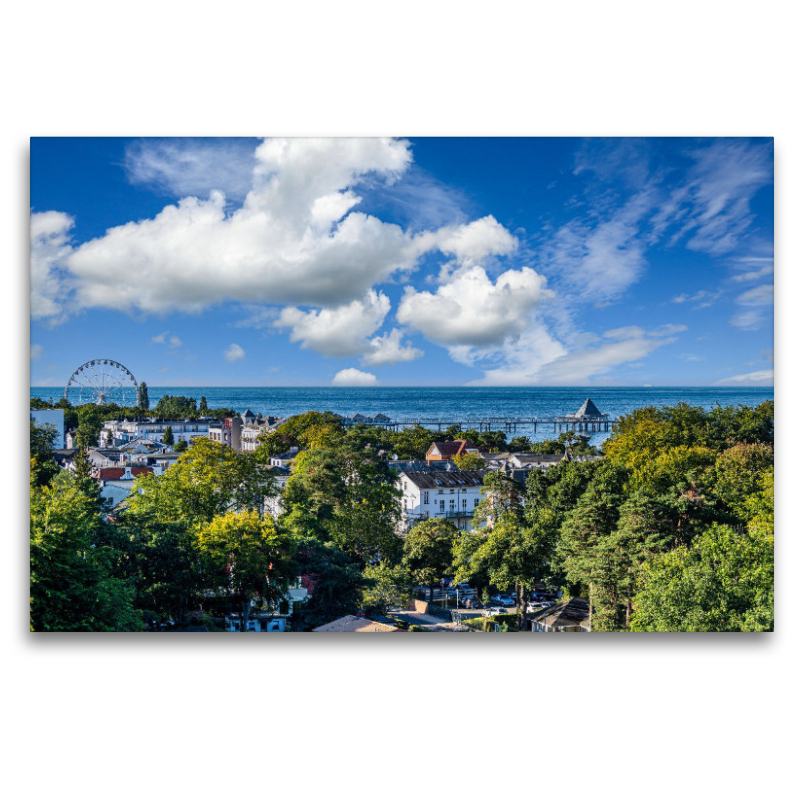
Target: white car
{"points": [[504, 600], [493, 611]]}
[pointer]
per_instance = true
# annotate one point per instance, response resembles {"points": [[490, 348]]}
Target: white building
{"points": [[227, 431], [125, 430], [444, 494], [273, 504], [54, 417]]}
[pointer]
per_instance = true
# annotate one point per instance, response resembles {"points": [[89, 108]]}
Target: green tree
{"points": [[169, 437], [723, 581], [583, 537], [43, 467], [509, 552], [388, 585], [273, 443], [181, 447], [169, 407], [296, 425], [469, 461], [336, 584], [643, 531], [143, 398], [428, 551], [737, 476], [520, 444], [203, 407], [90, 423], [247, 559], [70, 589], [502, 497], [345, 497], [206, 481], [163, 563], [413, 442], [493, 441]]}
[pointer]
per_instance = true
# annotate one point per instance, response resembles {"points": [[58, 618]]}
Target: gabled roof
{"points": [[450, 449], [533, 458], [118, 473], [444, 479], [566, 614]]}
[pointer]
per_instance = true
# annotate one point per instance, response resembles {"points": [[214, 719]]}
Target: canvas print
{"points": [[401, 385]]}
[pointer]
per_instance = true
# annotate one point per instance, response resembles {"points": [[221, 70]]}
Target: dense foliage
{"points": [[672, 530]]}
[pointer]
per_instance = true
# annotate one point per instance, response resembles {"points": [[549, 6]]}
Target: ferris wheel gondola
{"points": [[102, 381]]}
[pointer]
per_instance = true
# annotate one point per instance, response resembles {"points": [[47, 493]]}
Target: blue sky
{"points": [[404, 262]]}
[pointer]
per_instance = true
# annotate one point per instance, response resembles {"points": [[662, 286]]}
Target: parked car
{"points": [[538, 605], [504, 600], [493, 611]]}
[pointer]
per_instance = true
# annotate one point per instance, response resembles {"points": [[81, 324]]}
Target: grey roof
{"points": [[413, 465], [441, 479], [589, 409], [565, 615], [533, 458]]}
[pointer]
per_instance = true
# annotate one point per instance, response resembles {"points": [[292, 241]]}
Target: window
{"points": [[452, 505], [441, 505], [477, 500], [425, 500], [464, 504], [452, 491]]}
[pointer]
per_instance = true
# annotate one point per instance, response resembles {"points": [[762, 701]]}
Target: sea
{"points": [[458, 402]]}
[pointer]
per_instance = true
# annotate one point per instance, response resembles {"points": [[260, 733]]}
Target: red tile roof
{"points": [[118, 473], [450, 449]]}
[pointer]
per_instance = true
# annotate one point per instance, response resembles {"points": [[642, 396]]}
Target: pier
{"points": [[588, 419], [508, 424]]}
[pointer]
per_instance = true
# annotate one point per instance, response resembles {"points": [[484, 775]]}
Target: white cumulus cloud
{"points": [[389, 349], [294, 239], [50, 245], [339, 332], [471, 243], [354, 377], [471, 310], [233, 352]]}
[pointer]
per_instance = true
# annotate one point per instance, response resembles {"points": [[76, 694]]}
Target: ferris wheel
{"points": [[102, 381]]}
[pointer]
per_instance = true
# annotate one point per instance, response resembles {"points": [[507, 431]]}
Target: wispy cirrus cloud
{"points": [[760, 301], [762, 377], [702, 299], [192, 167], [555, 366]]}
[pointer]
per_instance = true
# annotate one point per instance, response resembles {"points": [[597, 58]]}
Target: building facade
{"points": [[123, 431], [441, 494]]}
